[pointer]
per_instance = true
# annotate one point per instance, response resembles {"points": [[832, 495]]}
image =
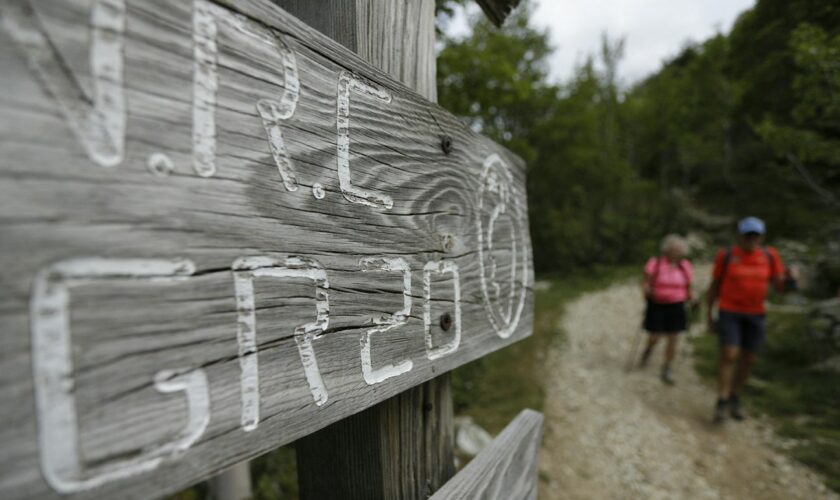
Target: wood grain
{"points": [[63, 210], [507, 468], [403, 447], [398, 449]]}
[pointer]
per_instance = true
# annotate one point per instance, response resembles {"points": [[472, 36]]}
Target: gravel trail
{"points": [[614, 435]]}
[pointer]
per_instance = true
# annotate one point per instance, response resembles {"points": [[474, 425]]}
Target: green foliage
{"points": [[747, 123], [274, 475], [744, 123], [587, 203], [810, 140]]}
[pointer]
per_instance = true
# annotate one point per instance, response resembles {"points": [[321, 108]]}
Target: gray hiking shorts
{"points": [[741, 330]]}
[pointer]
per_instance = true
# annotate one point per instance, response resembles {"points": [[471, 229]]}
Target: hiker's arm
{"points": [[789, 281], [779, 284], [784, 278], [647, 278], [689, 285], [711, 297], [646, 285], [718, 274]]}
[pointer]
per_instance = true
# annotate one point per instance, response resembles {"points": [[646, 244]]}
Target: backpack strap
{"points": [[684, 271], [655, 274], [724, 266], [728, 256]]}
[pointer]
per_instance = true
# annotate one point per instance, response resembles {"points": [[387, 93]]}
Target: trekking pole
{"points": [[631, 361]]}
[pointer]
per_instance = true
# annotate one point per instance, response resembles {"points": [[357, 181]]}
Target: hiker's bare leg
{"points": [[653, 338], [671, 348], [742, 373], [728, 358]]}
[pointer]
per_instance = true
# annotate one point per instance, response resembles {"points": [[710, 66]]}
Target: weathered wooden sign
{"points": [[221, 231], [507, 468]]}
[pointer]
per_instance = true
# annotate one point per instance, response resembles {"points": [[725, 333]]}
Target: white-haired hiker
{"points": [[667, 288]]}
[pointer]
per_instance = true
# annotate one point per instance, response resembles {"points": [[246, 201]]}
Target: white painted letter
{"points": [[52, 367], [205, 84], [98, 120], [399, 318], [494, 200], [440, 267], [245, 270], [272, 112], [347, 82]]}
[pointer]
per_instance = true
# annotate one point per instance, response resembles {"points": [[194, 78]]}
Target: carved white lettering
{"points": [[245, 271], [386, 323], [160, 164], [97, 120], [273, 112], [52, 366], [348, 82], [495, 200], [205, 84]]}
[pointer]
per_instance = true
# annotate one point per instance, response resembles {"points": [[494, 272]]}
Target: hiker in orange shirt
{"points": [[740, 281]]}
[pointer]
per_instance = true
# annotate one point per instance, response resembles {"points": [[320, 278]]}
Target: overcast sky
{"points": [[654, 30]]}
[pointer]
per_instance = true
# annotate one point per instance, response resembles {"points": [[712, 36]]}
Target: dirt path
{"points": [[610, 434]]}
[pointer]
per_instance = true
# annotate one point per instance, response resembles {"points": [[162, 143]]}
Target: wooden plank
{"points": [[193, 274], [398, 449], [507, 468], [403, 447]]}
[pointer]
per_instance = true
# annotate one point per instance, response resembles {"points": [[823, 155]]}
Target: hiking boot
{"points": [[735, 409], [720, 411], [667, 375]]}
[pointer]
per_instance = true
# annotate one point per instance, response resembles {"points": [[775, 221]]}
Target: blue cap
{"points": [[751, 225]]}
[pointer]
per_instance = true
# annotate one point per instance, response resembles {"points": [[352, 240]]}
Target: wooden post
{"points": [[403, 447], [232, 484]]}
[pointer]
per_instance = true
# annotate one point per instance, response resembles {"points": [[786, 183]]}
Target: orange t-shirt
{"points": [[747, 277]]}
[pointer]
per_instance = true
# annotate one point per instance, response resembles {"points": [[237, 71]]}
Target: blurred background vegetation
{"points": [[746, 122]]}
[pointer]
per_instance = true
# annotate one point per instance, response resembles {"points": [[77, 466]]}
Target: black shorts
{"points": [[665, 318]]}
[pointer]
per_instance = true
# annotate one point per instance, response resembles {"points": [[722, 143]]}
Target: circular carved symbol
{"points": [[502, 246]]}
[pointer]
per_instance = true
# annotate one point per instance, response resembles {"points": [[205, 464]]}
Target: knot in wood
{"points": [[446, 144]]}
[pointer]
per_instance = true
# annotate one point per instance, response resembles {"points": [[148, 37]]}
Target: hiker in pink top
{"points": [[667, 288]]}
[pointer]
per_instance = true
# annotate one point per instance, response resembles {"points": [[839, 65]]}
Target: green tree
{"points": [[810, 140], [587, 205]]}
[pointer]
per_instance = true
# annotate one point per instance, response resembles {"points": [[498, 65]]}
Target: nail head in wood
{"points": [[446, 321]]}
